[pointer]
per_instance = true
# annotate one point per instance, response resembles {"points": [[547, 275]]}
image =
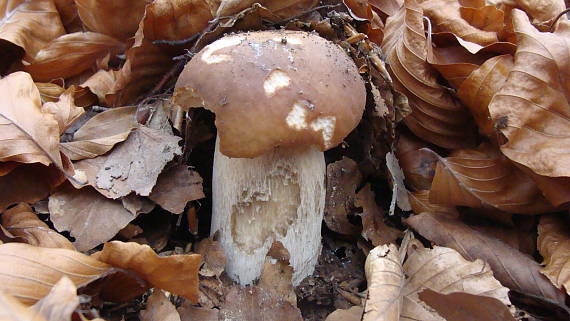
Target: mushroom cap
{"points": [[274, 88]]}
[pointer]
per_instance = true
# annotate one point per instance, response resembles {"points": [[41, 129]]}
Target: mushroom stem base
{"points": [[279, 196]]}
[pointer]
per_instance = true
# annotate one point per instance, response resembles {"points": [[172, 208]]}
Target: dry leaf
{"points": [[50, 92], [484, 178], [514, 269], [386, 280], [28, 183], [175, 187], [175, 273], [282, 9], [158, 307], [21, 221], [343, 178], [352, 314], [420, 203], [64, 110], [137, 204], [461, 306], [373, 227], [191, 313], [28, 133], [71, 54], [101, 83], [60, 303], [29, 273], [213, 256], [100, 133], [118, 19], [399, 192], [553, 245], [277, 274], [13, 310], [89, 217], [437, 116], [532, 108], [418, 165], [540, 10]]}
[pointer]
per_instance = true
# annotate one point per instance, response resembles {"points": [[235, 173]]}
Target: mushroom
{"points": [[280, 98]]}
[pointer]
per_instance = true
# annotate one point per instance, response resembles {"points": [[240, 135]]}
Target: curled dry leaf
{"points": [[436, 115], [64, 110], [373, 227], [118, 19], [513, 268], [60, 303], [213, 255], [282, 9], [532, 109], [540, 10], [51, 92], [461, 306], [90, 217], [101, 83], [28, 133], [13, 310], [56, 61], [418, 165], [29, 273], [100, 133], [175, 187], [554, 246], [343, 178], [420, 203], [158, 307], [484, 178], [21, 221], [175, 273]]}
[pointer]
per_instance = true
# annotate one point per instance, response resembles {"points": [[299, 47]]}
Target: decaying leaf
{"points": [[352, 314], [90, 217], [213, 256], [175, 187], [373, 227], [554, 244], [56, 61], [13, 310], [21, 221], [60, 303], [65, 110], [28, 133], [29, 273], [343, 178], [532, 108], [460, 306], [484, 178], [175, 273], [189, 312], [513, 268], [100, 133], [158, 307], [386, 280], [437, 116]]}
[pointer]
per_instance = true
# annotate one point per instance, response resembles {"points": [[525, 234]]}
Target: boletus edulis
{"points": [[280, 99]]}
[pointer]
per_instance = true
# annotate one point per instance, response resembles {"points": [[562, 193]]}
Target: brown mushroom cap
{"points": [[274, 88]]}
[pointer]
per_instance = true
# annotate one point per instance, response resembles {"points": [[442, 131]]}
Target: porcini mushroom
{"points": [[280, 98]]}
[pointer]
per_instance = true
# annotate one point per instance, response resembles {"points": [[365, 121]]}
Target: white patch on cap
{"points": [[208, 55], [326, 126], [277, 79], [296, 118], [288, 40]]}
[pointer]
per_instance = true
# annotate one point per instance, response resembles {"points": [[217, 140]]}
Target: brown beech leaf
{"points": [[100, 133], [393, 288], [213, 256], [28, 183], [417, 164], [189, 312], [51, 92], [513, 268], [118, 19], [420, 203], [388, 8], [437, 116], [158, 307], [71, 54], [532, 108], [175, 187], [29, 24], [479, 88], [29, 273], [352, 314], [282, 9], [173, 20], [373, 227], [101, 83], [175, 273], [60, 303], [484, 178], [22, 222], [540, 10], [553, 245], [343, 178], [64, 110], [13, 310], [90, 217], [460, 306], [28, 133]]}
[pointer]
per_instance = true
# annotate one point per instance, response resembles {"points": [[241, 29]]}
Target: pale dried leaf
{"points": [[399, 191], [100, 133], [29, 135], [554, 246], [158, 307], [13, 310], [175, 187], [90, 217], [65, 110], [373, 227], [175, 273], [532, 109], [21, 221], [352, 314], [56, 61], [60, 303]]}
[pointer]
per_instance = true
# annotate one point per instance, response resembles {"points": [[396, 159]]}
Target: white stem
{"points": [[279, 196]]}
